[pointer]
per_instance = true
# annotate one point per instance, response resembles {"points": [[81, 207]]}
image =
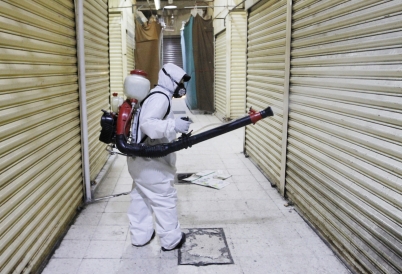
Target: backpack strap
{"points": [[142, 102], [168, 110]]}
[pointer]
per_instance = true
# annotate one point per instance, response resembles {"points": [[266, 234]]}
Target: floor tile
{"points": [[113, 173], [89, 218], [150, 251], [62, 266], [110, 233], [243, 171], [99, 266], [125, 181], [234, 164], [95, 207], [249, 186], [72, 249], [122, 188], [105, 250], [125, 174], [80, 232], [253, 194], [114, 219], [232, 205], [221, 269], [117, 207], [261, 204], [122, 198], [151, 266]]}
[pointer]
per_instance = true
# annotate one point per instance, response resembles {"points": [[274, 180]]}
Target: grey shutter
{"points": [[220, 75], [40, 152], [265, 84], [238, 62], [172, 51], [96, 45], [344, 166], [116, 53], [130, 50]]}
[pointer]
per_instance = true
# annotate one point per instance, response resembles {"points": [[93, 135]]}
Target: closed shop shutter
{"points": [[344, 158], [265, 84], [116, 54], [238, 61], [130, 50], [96, 39], [221, 75], [172, 51], [40, 152]]}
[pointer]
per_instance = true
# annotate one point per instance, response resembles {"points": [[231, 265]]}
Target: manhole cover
{"points": [[205, 246]]}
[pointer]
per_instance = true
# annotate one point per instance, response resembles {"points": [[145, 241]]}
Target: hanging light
{"points": [[157, 4], [172, 20], [170, 6]]}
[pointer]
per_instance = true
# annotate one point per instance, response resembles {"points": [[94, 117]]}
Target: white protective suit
{"points": [[153, 178]]}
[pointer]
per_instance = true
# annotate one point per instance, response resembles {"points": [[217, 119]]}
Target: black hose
{"points": [[161, 150]]}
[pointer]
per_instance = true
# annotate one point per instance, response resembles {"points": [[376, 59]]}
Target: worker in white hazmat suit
{"points": [[153, 178]]}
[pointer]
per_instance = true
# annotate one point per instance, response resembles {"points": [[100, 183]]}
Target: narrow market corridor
{"points": [[263, 233]]}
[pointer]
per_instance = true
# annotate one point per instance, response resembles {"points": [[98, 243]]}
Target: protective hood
{"points": [[175, 72]]}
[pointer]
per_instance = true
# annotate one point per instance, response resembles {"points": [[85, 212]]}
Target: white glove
{"points": [[181, 125]]}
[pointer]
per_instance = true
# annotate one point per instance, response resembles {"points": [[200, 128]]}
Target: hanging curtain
{"points": [[191, 96], [147, 50], [183, 49], [203, 52]]}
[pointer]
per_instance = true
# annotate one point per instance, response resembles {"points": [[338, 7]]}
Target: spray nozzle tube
{"points": [[185, 141]]}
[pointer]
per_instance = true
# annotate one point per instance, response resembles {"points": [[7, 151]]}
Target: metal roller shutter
{"points": [[172, 51], [130, 50], [220, 75], [130, 33], [238, 61], [96, 45], [40, 151], [344, 157], [116, 54], [265, 84]]}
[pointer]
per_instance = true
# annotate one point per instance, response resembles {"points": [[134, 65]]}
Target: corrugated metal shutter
{"points": [[130, 50], [40, 152], [265, 84], [344, 166], [172, 51], [220, 75], [116, 54], [96, 45], [238, 61]]}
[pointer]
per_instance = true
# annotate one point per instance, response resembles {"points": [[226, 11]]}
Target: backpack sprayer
{"points": [[116, 127], [114, 131]]}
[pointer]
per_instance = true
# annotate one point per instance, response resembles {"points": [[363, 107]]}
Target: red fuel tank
{"points": [[123, 120]]}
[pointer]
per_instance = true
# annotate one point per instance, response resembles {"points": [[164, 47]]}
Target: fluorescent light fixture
{"points": [[170, 7], [157, 4]]}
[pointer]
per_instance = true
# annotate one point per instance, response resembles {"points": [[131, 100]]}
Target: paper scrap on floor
{"points": [[210, 178]]}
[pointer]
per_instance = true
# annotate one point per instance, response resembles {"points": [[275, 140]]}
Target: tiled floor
{"points": [[263, 235]]}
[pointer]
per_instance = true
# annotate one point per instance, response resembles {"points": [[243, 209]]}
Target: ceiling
{"points": [[180, 4]]}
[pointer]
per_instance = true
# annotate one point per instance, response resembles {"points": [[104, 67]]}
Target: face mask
{"points": [[180, 90]]}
